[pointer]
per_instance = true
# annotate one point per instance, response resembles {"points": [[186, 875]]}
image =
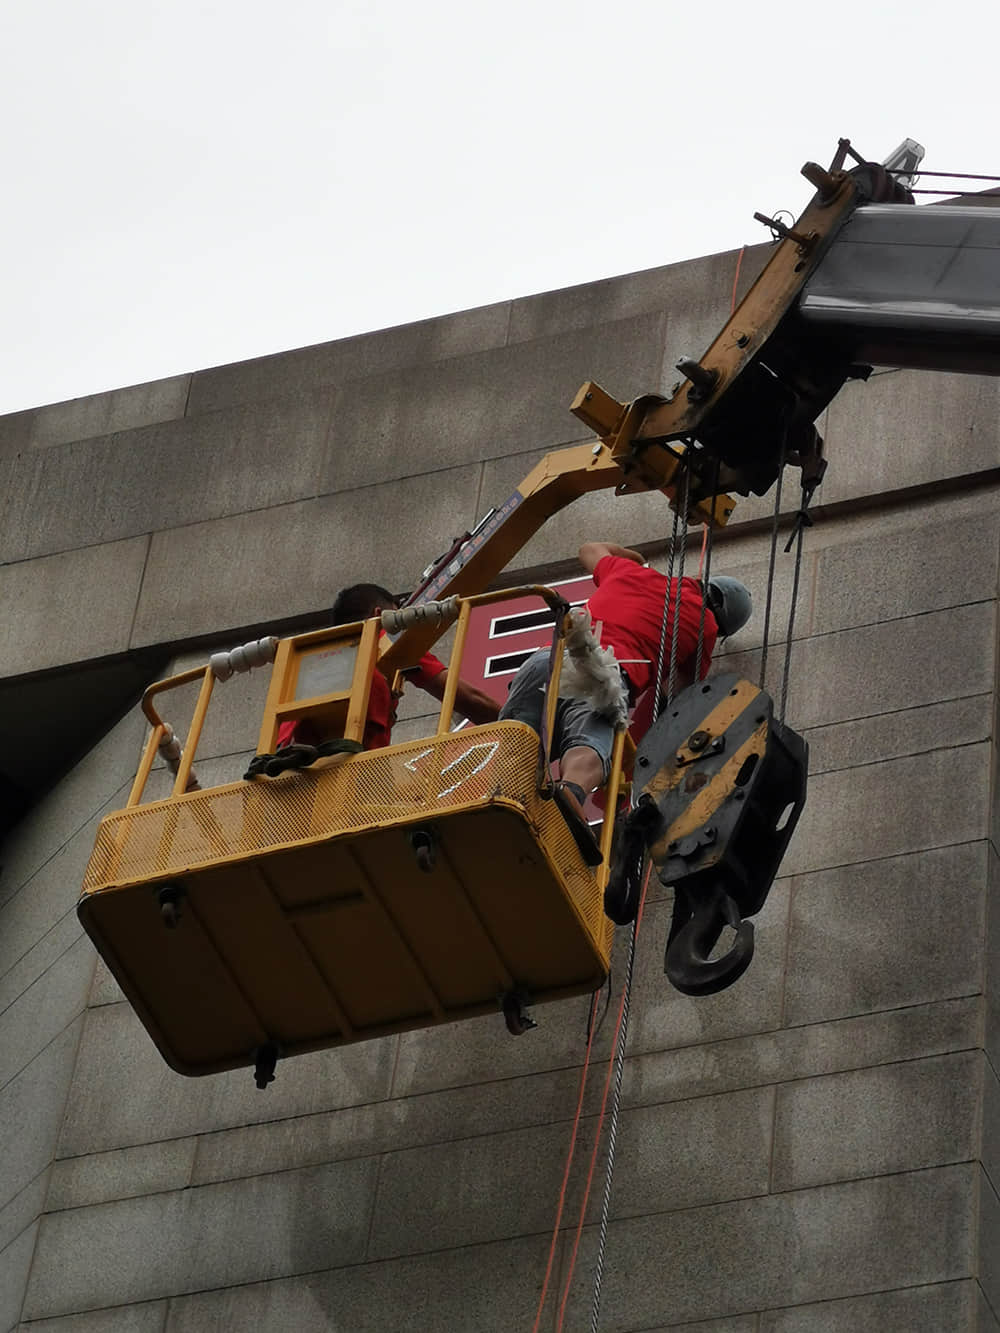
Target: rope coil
{"points": [[444, 612], [257, 653], [170, 747], [591, 672]]}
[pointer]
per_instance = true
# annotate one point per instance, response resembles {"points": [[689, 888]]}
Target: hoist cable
{"points": [[705, 573], [953, 175], [791, 622], [617, 1067], [671, 558], [674, 585], [591, 1030], [615, 1041], [771, 563], [803, 520]]}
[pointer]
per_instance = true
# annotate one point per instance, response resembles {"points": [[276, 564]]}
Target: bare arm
{"points": [[473, 703], [591, 552]]}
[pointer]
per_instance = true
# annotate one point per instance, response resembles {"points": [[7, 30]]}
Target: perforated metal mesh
{"points": [[350, 794]]}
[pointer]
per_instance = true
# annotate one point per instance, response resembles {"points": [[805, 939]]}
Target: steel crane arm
{"points": [[863, 278], [475, 559]]}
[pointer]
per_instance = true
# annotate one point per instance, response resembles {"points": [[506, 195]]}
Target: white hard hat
{"points": [[730, 602]]}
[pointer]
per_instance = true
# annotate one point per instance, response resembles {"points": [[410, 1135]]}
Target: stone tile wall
{"points": [[815, 1148]]}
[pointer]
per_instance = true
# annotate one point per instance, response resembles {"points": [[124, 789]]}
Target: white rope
{"points": [[591, 672], [257, 653], [170, 747], [444, 612]]}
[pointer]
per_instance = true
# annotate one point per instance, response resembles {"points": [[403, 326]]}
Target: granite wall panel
{"points": [[168, 475], [848, 925], [290, 560], [42, 599], [797, 1248], [116, 1053], [141, 1249], [814, 1148], [487, 1288], [302, 370], [910, 428], [500, 402]]}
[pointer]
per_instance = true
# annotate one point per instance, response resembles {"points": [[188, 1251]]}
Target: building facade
{"points": [[815, 1148]]}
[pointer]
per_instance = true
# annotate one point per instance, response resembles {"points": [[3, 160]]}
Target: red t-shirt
{"points": [[628, 603], [381, 709]]}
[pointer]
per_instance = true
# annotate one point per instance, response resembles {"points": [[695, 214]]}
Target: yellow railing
{"points": [[288, 655]]}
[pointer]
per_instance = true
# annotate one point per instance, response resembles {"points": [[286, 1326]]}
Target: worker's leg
{"points": [[583, 767], [584, 741], [527, 692]]}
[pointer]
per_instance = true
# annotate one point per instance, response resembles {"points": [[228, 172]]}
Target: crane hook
{"points": [[698, 921]]}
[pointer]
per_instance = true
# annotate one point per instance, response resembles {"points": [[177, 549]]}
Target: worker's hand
{"points": [[476, 704]]}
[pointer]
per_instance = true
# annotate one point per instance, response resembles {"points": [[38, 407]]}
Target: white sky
{"points": [[189, 184]]}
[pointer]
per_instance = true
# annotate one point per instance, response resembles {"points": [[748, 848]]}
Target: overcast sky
{"points": [[188, 184]]}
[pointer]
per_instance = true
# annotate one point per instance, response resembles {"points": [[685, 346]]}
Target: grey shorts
{"points": [[576, 721]]}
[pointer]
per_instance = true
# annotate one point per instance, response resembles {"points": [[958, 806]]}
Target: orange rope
{"points": [[736, 277], [569, 1162], [600, 1123]]}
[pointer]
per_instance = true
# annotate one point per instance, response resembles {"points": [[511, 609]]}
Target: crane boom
{"points": [[862, 278]]}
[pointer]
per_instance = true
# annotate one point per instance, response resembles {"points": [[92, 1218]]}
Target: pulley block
{"points": [[720, 784]]}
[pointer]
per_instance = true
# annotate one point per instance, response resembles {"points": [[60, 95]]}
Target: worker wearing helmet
{"points": [[627, 612]]}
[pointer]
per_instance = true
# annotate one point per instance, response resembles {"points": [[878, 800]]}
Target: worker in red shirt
{"points": [[299, 741], [627, 611]]}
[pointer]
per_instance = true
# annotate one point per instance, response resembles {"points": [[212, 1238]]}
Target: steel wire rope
{"points": [[618, 1040], [771, 564], [952, 175], [802, 522], [618, 1065], [678, 539], [705, 571], [675, 586], [661, 654], [601, 1114], [791, 622]]}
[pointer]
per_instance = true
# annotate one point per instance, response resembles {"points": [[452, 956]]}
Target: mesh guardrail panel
{"points": [[351, 794]]}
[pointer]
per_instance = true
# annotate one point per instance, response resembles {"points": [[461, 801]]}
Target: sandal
{"points": [[571, 811]]}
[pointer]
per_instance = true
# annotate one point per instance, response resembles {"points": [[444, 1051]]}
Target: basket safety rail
{"points": [[287, 655]]}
